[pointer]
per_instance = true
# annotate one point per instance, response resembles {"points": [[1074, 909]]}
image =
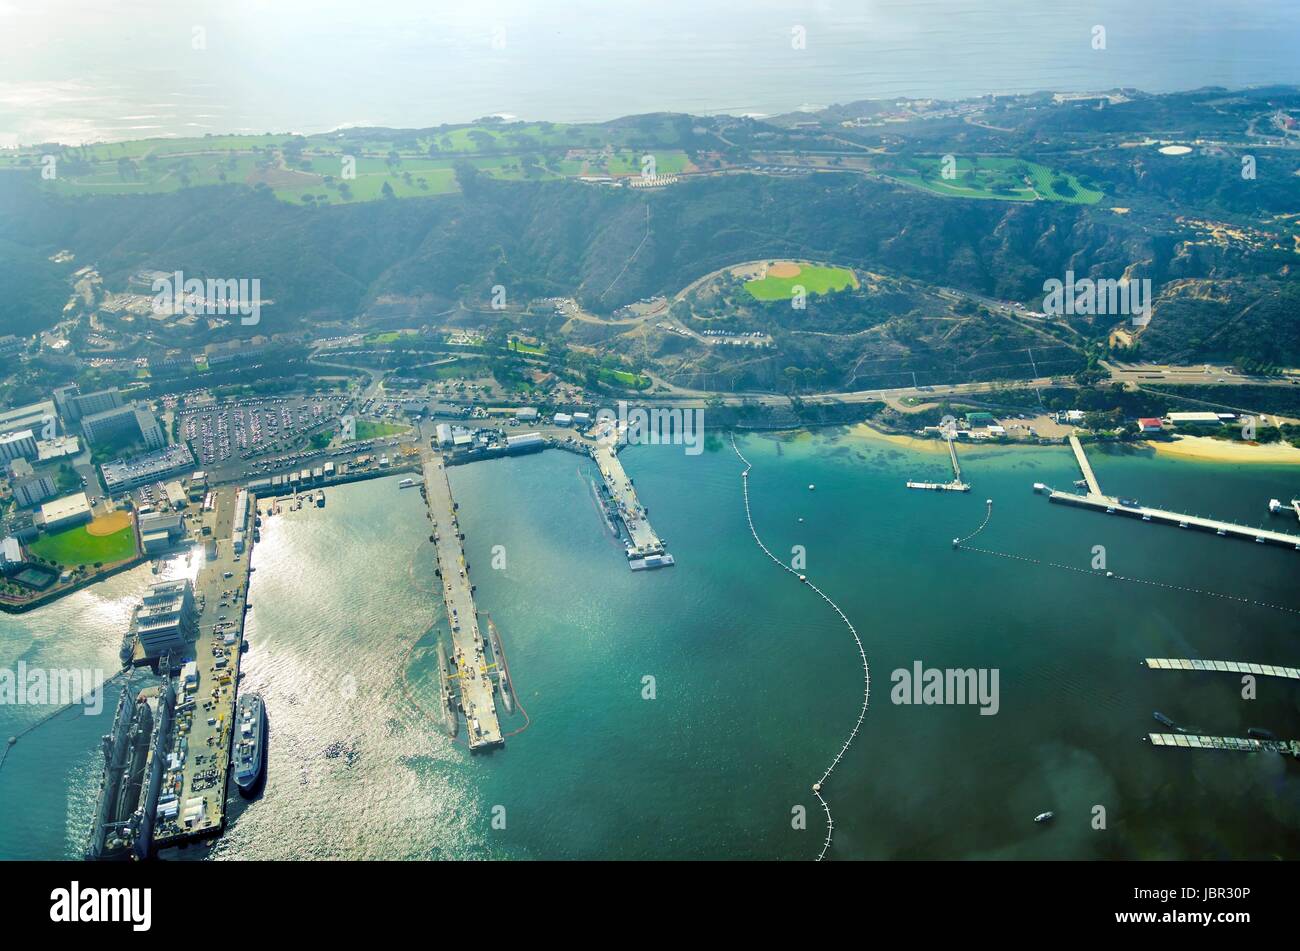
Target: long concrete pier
{"points": [[468, 654], [956, 485], [1115, 507], [1224, 666], [205, 712], [1094, 487], [644, 542]]}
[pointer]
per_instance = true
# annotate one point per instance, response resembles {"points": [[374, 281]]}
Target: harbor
{"points": [[311, 615], [470, 675]]}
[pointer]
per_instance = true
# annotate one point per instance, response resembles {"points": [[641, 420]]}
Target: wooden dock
{"points": [[1234, 744], [1223, 666]]}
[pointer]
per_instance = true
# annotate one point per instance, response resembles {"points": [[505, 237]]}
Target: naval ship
{"points": [[250, 751]]}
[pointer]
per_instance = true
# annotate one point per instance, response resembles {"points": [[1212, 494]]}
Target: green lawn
{"points": [[309, 170], [813, 278], [624, 377], [367, 429], [76, 546], [997, 178]]}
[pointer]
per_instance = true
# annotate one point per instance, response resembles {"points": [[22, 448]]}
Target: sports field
{"points": [[108, 539], [783, 276]]}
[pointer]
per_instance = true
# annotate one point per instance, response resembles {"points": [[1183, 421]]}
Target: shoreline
{"points": [[1209, 449], [938, 447]]}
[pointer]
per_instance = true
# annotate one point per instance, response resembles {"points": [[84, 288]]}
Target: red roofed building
{"points": [[1150, 424]]}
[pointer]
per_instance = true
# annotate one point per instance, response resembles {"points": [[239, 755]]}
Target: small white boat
{"points": [[1045, 817]]}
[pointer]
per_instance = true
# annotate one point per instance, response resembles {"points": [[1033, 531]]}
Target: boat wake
{"points": [[866, 670]]}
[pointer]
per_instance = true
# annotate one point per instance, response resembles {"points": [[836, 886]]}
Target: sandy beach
{"points": [[1222, 450], [937, 446]]}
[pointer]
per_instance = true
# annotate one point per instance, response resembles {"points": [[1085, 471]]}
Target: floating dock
{"points": [[644, 546], [1111, 505], [1223, 666], [468, 654], [1235, 744], [956, 485]]}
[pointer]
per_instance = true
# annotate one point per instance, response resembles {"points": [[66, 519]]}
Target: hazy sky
{"points": [[74, 70]]}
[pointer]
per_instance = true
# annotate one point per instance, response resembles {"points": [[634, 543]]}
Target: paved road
{"points": [[1201, 374]]}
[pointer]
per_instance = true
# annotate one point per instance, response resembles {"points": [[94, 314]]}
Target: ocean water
{"points": [[756, 682], [81, 70]]}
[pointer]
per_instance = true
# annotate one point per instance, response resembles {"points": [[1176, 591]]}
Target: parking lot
{"points": [[242, 429]]}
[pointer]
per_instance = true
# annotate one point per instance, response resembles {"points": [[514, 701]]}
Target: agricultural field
{"points": [[783, 276], [101, 540], [998, 179]]}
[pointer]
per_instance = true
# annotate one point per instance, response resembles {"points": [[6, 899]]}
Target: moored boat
{"points": [[249, 755]]}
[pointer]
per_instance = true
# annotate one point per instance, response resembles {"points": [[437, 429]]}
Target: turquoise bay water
{"points": [[756, 681]]}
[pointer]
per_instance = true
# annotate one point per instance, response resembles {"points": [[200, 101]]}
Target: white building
{"points": [[48, 450], [73, 404], [167, 617], [103, 426], [1210, 419], [35, 416], [563, 419], [29, 488], [120, 476], [526, 413], [18, 445], [525, 442], [11, 552], [67, 511]]}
